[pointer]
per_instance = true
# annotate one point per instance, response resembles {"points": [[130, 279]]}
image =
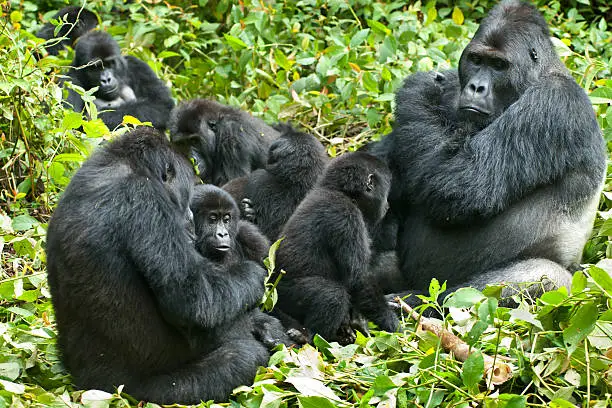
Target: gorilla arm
{"points": [[153, 102], [549, 135], [190, 290]]}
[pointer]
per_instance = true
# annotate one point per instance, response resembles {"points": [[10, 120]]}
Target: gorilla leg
{"points": [[214, 376], [322, 305], [532, 277]]}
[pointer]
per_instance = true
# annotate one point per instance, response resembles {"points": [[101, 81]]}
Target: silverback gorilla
{"points": [[135, 302], [127, 85], [497, 167]]}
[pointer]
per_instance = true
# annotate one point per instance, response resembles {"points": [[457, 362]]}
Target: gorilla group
{"points": [[492, 173], [142, 301], [497, 166]]}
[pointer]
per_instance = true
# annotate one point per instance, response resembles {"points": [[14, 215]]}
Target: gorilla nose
{"points": [[106, 79]]}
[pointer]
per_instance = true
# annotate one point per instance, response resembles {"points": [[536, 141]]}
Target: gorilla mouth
{"points": [[109, 93], [222, 248], [475, 109]]}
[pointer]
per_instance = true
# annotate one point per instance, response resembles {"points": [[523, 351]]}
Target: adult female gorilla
{"points": [[135, 302]]}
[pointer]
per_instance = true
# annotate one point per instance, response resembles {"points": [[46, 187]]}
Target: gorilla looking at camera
{"points": [[127, 85], [497, 167], [135, 302]]}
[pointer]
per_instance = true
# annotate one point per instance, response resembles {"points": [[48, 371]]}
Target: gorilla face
{"points": [[101, 64]]}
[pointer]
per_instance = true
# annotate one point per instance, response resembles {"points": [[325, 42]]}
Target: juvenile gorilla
{"points": [[497, 167], [127, 86], [74, 21], [226, 240], [135, 302], [225, 142], [270, 195], [326, 251]]}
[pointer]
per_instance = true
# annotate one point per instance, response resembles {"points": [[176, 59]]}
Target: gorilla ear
{"points": [[370, 183], [212, 124], [533, 54], [168, 173]]}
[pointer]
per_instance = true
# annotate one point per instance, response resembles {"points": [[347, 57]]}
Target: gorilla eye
{"points": [[212, 124], [227, 218], [370, 183], [533, 54], [212, 217], [499, 64], [168, 173], [475, 59]]}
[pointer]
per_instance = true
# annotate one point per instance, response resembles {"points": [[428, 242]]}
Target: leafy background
{"points": [[330, 67]]}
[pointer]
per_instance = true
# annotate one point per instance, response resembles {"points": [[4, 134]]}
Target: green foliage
{"points": [[332, 67]]}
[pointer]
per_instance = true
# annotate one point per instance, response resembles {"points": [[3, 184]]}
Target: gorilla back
{"points": [[135, 303], [498, 166]]}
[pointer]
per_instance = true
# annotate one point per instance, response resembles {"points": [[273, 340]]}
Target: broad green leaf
{"points": [[234, 42], [464, 297], [602, 278], [314, 402], [457, 16], [10, 370], [580, 325], [95, 128], [579, 282], [382, 384], [472, 370], [524, 315], [72, 120], [378, 27], [554, 297], [561, 403], [24, 222], [13, 387], [311, 387], [359, 37]]}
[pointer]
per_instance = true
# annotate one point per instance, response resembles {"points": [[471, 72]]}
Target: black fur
{"points": [[295, 161], [74, 21], [134, 88], [507, 196], [135, 302], [326, 251], [225, 142], [217, 224]]}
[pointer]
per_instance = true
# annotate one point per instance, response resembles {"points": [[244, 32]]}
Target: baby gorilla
{"points": [[269, 196], [226, 240], [326, 251]]}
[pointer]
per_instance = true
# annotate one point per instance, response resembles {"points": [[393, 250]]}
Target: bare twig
{"points": [[496, 371]]}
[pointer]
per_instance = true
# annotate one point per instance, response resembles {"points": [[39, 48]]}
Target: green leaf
{"points": [[554, 297], [457, 16], [378, 27], [72, 120], [95, 128], [464, 297], [382, 384], [282, 60], [561, 403], [12, 387], [10, 370], [314, 402], [24, 222], [602, 278], [359, 37], [311, 387], [580, 325], [473, 370], [579, 282], [235, 42]]}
